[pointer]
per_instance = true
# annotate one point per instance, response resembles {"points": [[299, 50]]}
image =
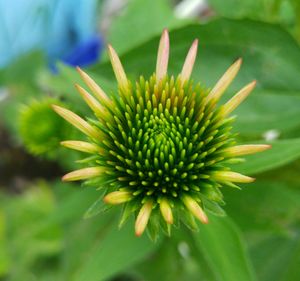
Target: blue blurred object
{"points": [[84, 53], [63, 29]]}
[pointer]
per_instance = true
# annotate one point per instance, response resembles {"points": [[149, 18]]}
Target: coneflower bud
{"points": [[160, 146], [40, 128]]}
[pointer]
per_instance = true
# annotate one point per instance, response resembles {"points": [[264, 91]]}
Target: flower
{"points": [[161, 147]]}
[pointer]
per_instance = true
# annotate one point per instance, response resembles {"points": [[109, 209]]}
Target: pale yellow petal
{"points": [[143, 218], [189, 62], [162, 56], [224, 81], [77, 122], [90, 100], [118, 197], [239, 150], [83, 174], [229, 176], [81, 146], [236, 100], [193, 206], [94, 87], [118, 68], [166, 210]]}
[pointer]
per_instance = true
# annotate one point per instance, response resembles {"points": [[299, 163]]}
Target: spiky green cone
{"points": [[161, 147]]}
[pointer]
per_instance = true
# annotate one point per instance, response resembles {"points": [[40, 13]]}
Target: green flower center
{"points": [[169, 143]]}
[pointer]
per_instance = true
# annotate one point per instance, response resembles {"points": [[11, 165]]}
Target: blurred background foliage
{"points": [[46, 232]]}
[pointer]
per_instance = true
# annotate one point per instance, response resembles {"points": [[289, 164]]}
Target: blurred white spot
{"points": [[190, 8], [110, 10], [184, 249], [271, 135], [3, 93]]}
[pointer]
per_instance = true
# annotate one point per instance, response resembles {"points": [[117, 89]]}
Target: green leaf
{"points": [[81, 238], [267, 206], [97, 208], [281, 153], [176, 259], [278, 11], [223, 247], [246, 8], [19, 69], [268, 212], [26, 247], [135, 25], [212, 206], [117, 251], [260, 113], [283, 265]]}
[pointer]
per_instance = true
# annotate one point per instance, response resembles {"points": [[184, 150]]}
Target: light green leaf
{"points": [[280, 263], [267, 110], [264, 206], [141, 21], [177, 259], [246, 8], [268, 212], [223, 247], [277, 11], [115, 253], [212, 207]]}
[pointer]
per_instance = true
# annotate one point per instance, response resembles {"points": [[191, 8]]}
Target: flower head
{"points": [[160, 147], [40, 128]]}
